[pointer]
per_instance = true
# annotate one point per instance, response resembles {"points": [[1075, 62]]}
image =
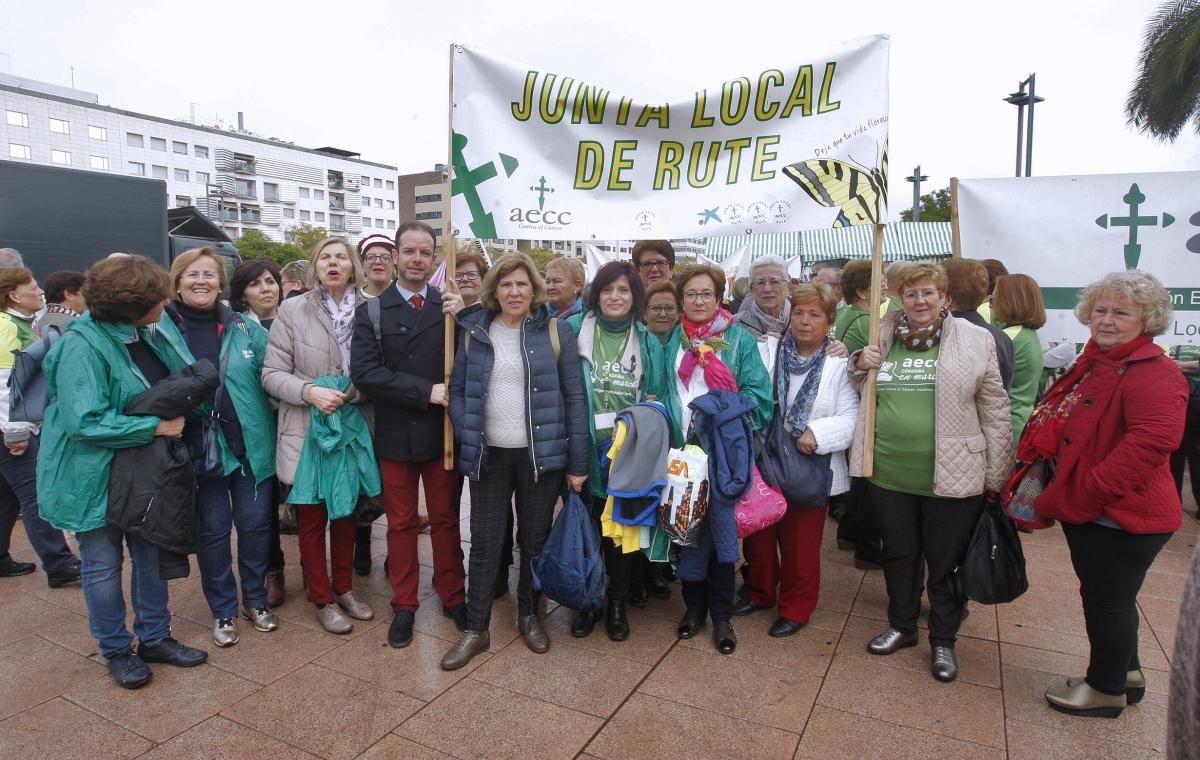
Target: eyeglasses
{"points": [[662, 264], [662, 310], [700, 296], [200, 276], [466, 277], [771, 282], [377, 258]]}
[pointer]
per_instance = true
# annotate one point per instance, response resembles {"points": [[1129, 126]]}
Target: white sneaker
{"points": [[225, 632]]}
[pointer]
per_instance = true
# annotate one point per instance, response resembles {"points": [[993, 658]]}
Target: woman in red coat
{"points": [[1108, 427]]}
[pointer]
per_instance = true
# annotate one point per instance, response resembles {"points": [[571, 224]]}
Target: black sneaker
{"points": [[10, 568], [457, 613], [400, 632], [70, 574], [172, 652], [128, 670]]}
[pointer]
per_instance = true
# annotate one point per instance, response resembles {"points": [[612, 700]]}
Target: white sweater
{"points": [[834, 412]]}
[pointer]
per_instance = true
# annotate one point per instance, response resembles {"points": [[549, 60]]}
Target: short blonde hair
{"points": [[571, 267], [356, 273], [505, 266], [190, 257], [914, 273], [1138, 288], [818, 292]]}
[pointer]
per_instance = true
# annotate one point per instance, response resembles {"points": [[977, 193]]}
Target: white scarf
{"points": [[342, 316]]}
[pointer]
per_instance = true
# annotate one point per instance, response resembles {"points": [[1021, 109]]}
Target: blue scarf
{"points": [[790, 363]]}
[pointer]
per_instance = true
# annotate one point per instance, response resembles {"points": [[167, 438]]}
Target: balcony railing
{"points": [[229, 215], [243, 166], [251, 216], [336, 180], [336, 203]]}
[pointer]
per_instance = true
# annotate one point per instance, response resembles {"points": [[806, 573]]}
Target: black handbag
{"points": [[205, 448], [804, 479], [993, 569]]}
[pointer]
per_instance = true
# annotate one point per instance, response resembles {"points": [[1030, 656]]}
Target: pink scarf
{"points": [[701, 344]]}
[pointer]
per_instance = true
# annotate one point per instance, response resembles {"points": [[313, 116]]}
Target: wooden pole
{"points": [[868, 394], [449, 344], [955, 237]]}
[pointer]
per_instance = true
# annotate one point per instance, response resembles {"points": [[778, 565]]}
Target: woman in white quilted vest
{"points": [[943, 439], [818, 407]]}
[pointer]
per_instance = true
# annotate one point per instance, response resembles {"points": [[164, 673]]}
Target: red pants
{"points": [[400, 481], [787, 555], [311, 519]]}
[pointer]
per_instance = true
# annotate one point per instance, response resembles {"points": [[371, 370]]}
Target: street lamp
{"points": [[1020, 99], [917, 178]]}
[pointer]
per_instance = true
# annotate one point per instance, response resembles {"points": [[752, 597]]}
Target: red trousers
{"points": [[400, 480], [310, 529], [787, 556]]}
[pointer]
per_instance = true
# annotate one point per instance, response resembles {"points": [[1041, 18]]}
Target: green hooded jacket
{"points": [[90, 379], [244, 342]]}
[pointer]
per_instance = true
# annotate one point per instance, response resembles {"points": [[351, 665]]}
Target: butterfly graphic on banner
{"points": [[859, 193]]}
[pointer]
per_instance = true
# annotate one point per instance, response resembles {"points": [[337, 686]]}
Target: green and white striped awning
{"points": [[901, 240]]}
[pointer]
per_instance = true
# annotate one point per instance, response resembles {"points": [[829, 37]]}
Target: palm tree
{"points": [[1166, 94]]}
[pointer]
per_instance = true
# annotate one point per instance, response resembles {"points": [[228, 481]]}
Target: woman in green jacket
{"points": [[1017, 304], [241, 492], [117, 350], [614, 353], [707, 351]]}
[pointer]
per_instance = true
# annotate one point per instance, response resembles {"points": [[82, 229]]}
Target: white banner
{"points": [[539, 154], [1067, 232]]}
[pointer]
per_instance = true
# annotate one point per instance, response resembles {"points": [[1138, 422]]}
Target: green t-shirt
{"points": [[852, 327], [1027, 376], [613, 386], [905, 420]]}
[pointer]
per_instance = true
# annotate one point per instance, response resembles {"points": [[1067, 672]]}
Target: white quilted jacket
{"points": [[973, 431]]}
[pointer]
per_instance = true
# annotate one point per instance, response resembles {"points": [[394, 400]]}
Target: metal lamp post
{"points": [[1021, 99]]}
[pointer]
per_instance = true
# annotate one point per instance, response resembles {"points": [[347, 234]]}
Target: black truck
{"points": [[61, 218]]}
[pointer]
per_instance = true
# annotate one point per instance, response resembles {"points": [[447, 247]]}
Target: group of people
{"points": [[331, 396]]}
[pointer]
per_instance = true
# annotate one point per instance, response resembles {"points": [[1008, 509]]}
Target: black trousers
{"points": [[714, 594], [860, 526], [618, 565], [1111, 565], [508, 473], [1188, 456], [924, 536]]}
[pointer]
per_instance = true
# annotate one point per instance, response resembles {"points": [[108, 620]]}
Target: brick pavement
{"points": [[299, 692]]}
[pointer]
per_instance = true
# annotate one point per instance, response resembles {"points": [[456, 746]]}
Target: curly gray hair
{"points": [[1138, 288]]}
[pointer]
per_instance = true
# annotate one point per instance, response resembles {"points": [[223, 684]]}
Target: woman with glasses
{"points": [[662, 309], [241, 492], [707, 351], [378, 256], [654, 260], [470, 267]]}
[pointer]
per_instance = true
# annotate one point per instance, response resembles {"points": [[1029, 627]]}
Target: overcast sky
{"points": [[371, 76]]}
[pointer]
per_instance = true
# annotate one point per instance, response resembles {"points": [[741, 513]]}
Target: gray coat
{"points": [[1183, 717]]}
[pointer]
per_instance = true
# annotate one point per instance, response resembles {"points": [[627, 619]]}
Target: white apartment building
{"points": [[239, 179]]}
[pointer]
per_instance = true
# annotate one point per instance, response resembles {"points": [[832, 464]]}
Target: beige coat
{"points": [[973, 431], [302, 348]]}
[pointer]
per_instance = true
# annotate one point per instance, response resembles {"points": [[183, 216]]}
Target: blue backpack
{"points": [[570, 569]]}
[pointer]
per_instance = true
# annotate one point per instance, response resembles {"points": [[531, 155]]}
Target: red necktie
{"points": [[417, 302]]}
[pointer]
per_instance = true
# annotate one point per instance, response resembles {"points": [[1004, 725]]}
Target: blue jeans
{"points": [[102, 557], [18, 496], [221, 504]]}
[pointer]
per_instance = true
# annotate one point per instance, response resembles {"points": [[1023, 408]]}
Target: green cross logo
{"points": [[541, 188], [1133, 249], [467, 181]]}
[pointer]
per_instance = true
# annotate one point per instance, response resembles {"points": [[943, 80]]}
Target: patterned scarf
{"points": [[342, 316], [792, 363], [58, 308], [761, 322], [921, 338], [701, 344]]}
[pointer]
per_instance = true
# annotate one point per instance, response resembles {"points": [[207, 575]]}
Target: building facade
{"points": [[240, 180]]}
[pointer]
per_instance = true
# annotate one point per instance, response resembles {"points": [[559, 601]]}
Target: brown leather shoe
{"points": [[468, 645], [275, 592], [535, 638]]}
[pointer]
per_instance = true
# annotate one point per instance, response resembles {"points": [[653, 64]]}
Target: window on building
{"points": [[97, 133], [182, 200], [60, 126], [137, 168], [423, 215], [244, 188], [270, 191], [60, 157], [158, 143], [379, 223], [391, 205], [181, 175], [366, 222], [100, 163], [17, 150], [391, 185], [160, 172], [365, 201], [379, 203], [378, 184], [318, 195], [319, 216], [134, 140], [431, 198], [18, 119], [305, 216], [202, 178], [200, 151], [337, 223], [179, 147], [289, 213], [304, 192], [391, 224], [365, 180]]}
